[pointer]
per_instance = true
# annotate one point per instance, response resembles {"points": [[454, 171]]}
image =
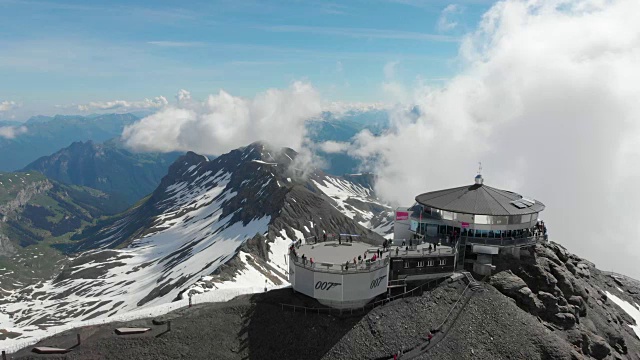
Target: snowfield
{"points": [[190, 240]]}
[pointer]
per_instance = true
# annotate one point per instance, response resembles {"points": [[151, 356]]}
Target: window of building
{"points": [[443, 262], [406, 264], [420, 264], [429, 262], [515, 219], [432, 230], [447, 215], [481, 219], [468, 218], [499, 220]]}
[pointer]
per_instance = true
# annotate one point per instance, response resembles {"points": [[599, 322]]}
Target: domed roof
{"points": [[481, 200]]}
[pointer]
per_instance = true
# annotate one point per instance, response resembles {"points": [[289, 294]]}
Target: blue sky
{"points": [[73, 52]]}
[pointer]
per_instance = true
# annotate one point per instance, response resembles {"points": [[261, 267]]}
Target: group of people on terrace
{"points": [[362, 259]]}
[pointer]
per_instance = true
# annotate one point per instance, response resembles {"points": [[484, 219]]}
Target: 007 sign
{"points": [[326, 285], [375, 283]]}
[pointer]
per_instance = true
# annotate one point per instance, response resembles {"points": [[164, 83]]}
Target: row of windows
{"points": [[420, 264], [429, 213], [433, 230]]}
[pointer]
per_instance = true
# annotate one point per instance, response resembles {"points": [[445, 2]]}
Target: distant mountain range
{"points": [[107, 167], [45, 135]]}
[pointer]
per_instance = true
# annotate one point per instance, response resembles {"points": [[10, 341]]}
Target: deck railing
{"points": [[360, 267], [519, 241]]}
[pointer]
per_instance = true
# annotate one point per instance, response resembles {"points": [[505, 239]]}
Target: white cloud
{"points": [[448, 19], [339, 67], [547, 100], [10, 132], [224, 122], [338, 108], [123, 105], [183, 96], [7, 105], [331, 147]]}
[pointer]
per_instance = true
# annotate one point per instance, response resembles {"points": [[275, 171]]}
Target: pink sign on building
{"points": [[402, 215], [464, 225]]}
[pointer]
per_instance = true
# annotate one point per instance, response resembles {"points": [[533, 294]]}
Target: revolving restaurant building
{"points": [[481, 218]]}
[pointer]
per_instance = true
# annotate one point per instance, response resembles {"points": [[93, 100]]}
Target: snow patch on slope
{"points": [[633, 311], [356, 202], [189, 240]]}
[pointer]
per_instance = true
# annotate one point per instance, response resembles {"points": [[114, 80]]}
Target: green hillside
{"points": [[36, 213]]}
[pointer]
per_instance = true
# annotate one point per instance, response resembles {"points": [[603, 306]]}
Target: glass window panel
{"points": [[468, 218], [515, 219], [500, 220], [447, 215], [481, 219]]}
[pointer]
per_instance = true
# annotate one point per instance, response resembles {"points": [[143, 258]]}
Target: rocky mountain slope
{"points": [[481, 324], [550, 304], [107, 167], [225, 224], [211, 224]]}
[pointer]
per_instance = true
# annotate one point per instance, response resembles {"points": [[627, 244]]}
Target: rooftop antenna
{"points": [[479, 179]]}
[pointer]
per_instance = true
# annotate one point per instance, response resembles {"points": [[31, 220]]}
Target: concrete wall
{"points": [[334, 288]]}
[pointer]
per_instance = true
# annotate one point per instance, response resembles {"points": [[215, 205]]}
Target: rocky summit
{"points": [[505, 318], [216, 231]]}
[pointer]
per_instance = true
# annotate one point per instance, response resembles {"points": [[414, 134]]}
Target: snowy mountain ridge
{"points": [[210, 225]]}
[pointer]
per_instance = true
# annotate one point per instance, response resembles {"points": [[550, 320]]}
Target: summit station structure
{"points": [[443, 232], [481, 221]]}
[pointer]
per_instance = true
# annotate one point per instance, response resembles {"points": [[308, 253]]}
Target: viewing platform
{"points": [[328, 273], [331, 256]]}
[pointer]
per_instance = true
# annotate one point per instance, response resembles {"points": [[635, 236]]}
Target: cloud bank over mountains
{"points": [[7, 105], [123, 105], [223, 122], [10, 132]]}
